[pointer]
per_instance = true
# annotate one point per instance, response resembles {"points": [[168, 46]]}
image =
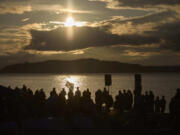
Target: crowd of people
{"points": [[22, 102]]}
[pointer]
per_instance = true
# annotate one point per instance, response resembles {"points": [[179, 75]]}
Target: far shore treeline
{"points": [[84, 66]]}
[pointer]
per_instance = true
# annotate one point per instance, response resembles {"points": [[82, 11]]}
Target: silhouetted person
{"points": [[105, 94], [98, 99], [61, 102], [163, 104], [24, 88], [70, 95], [172, 105], [86, 102], [137, 92], [78, 93], [125, 100], [130, 100], [63, 93], [88, 93], [42, 96], [157, 105], [53, 93], [109, 102], [151, 101], [119, 102], [52, 103], [77, 100], [146, 101], [70, 101]]}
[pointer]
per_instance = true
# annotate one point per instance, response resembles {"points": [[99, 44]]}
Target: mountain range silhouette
{"points": [[84, 66]]}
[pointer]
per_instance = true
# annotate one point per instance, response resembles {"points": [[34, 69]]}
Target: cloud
{"points": [[81, 38], [138, 3], [13, 38], [10, 8], [58, 6], [25, 19], [169, 33], [144, 3], [153, 17], [144, 25], [163, 25]]}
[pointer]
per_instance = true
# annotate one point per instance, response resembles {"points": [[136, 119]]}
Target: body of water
{"points": [[160, 83]]}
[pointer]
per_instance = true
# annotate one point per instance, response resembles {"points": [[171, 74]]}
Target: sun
{"points": [[70, 22]]}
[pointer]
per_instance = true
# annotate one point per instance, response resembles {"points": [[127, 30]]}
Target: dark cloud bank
{"points": [[83, 37]]}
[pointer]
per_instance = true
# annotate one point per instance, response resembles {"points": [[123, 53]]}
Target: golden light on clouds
{"points": [[14, 8], [70, 23]]}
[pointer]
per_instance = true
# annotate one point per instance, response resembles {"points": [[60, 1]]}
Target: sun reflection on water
{"points": [[72, 80], [69, 82]]}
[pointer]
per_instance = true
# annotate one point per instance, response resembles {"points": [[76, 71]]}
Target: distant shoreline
{"points": [[84, 66]]}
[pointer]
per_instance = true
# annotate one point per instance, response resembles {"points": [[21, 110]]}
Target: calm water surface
{"points": [[159, 83]]}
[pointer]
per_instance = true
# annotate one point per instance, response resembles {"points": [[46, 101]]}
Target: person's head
{"points": [[24, 86], [178, 90], [41, 90], [124, 91], [9, 87], [129, 91], [146, 93], [150, 92]]}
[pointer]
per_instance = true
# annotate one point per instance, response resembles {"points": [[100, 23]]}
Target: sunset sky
{"points": [[131, 31]]}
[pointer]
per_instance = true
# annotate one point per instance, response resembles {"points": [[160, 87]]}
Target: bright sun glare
{"points": [[71, 22]]}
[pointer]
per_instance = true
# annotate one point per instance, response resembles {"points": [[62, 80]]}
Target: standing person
{"points": [[157, 105], [88, 93], [130, 100], [163, 104], [98, 99], [78, 93], [151, 101], [70, 95], [63, 93]]}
